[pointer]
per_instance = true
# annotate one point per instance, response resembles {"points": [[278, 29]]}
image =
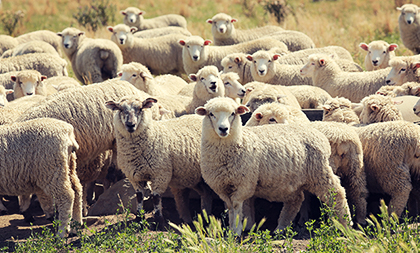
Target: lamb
{"points": [[258, 93], [233, 88], [48, 170], [408, 23], [378, 108], [46, 64], [85, 110], [159, 154], [36, 46], [134, 17], [92, 60], [327, 74], [346, 157], [241, 162], [379, 54], [265, 68], [3, 93], [238, 63], [139, 76], [339, 109], [30, 82], [196, 53], [404, 69], [157, 32], [224, 33], [409, 88], [162, 55]]}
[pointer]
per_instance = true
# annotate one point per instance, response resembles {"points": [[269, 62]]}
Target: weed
{"points": [[11, 19], [99, 13]]}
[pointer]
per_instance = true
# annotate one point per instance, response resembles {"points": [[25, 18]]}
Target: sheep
{"points": [[196, 53], [7, 42], [30, 82], [379, 54], [85, 109], [224, 32], [24, 103], [134, 17], [408, 23], [139, 76], [162, 55], [3, 93], [405, 105], [309, 97], [378, 108], [36, 46], [238, 63], [47, 64], [339, 109], [241, 162], [43, 35], [409, 88], [404, 69], [61, 83], [157, 32], [48, 170], [92, 60], [416, 108], [233, 88], [346, 157], [301, 57], [258, 93], [265, 68], [176, 162], [327, 74]]}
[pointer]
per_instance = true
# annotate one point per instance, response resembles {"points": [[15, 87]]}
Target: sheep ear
{"points": [[399, 8], [322, 62], [276, 56], [133, 29], [81, 33], [326, 107], [415, 91], [392, 47], [242, 109], [146, 75], [237, 60], [201, 111], [258, 116], [142, 13], [113, 105], [149, 102], [416, 65], [43, 78], [398, 102], [249, 89], [249, 57], [163, 111], [120, 73], [14, 78], [279, 97], [209, 21], [60, 34], [207, 42], [9, 91], [123, 13], [193, 77], [364, 46], [233, 20], [181, 42], [374, 107], [110, 28]]}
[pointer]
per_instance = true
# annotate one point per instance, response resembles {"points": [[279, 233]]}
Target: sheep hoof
{"points": [[28, 216]]}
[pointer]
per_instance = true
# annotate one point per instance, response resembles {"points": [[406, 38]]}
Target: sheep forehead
{"points": [[378, 45], [132, 10], [409, 8], [398, 62], [376, 99], [133, 67], [130, 103], [28, 75], [71, 31], [232, 76], [221, 104], [121, 28], [207, 71], [262, 55], [194, 40], [221, 17]]}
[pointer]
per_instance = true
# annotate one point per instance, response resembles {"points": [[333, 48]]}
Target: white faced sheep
{"points": [[46, 64], [48, 170], [346, 157], [162, 55], [404, 69], [233, 88], [339, 109], [378, 108], [355, 86], [157, 32], [30, 82], [92, 60], [139, 75], [408, 23], [379, 54], [31, 47], [159, 154], [265, 68], [134, 17], [196, 52], [258, 93], [3, 95], [264, 161]]}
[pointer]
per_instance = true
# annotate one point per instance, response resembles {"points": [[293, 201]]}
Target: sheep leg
{"points": [[305, 209], [356, 194], [206, 196], [290, 210], [237, 215], [47, 205], [399, 199], [182, 202], [78, 191], [3, 209], [157, 203], [24, 203], [249, 212]]}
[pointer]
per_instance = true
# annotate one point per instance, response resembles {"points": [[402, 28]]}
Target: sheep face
{"points": [[308, 69], [208, 78], [266, 116], [400, 71], [409, 13], [194, 46], [222, 25], [136, 74], [130, 111], [121, 34], [263, 65], [223, 115], [378, 108], [416, 108], [378, 52], [27, 83], [233, 88], [70, 39]]}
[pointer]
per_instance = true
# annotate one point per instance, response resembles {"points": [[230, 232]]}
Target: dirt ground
{"points": [[14, 229]]}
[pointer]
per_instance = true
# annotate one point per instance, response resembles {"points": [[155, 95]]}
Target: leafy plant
{"points": [[11, 19], [99, 13]]}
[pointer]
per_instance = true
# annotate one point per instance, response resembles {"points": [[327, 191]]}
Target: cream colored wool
{"points": [[134, 17], [196, 52], [24, 103], [379, 53], [241, 162], [92, 60], [46, 64], [61, 83], [162, 55], [408, 23], [3, 96], [31, 47], [355, 86], [340, 110], [30, 82], [238, 63], [157, 32], [159, 154], [7, 42], [404, 69], [301, 57], [139, 75], [258, 93], [309, 97], [407, 89], [43, 35], [378, 108], [346, 157], [45, 169]]}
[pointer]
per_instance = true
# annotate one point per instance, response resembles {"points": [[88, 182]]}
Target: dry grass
{"points": [[345, 22]]}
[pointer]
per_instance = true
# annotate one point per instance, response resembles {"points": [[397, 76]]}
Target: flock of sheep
{"points": [[137, 113]]}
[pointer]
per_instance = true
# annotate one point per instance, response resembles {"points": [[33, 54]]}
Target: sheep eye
{"points": [[272, 120], [233, 114], [188, 46], [134, 75], [230, 67], [211, 114], [269, 60], [255, 61], [202, 79], [384, 52], [402, 70], [313, 63], [227, 83]]}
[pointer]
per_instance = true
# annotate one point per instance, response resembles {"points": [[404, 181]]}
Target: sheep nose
{"points": [[221, 30], [29, 93], [261, 71], [375, 62], [388, 81], [195, 57], [213, 86], [121, 41], [66, 45], [223, 129], [409, 22], [414, 109], [130, 126]]}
